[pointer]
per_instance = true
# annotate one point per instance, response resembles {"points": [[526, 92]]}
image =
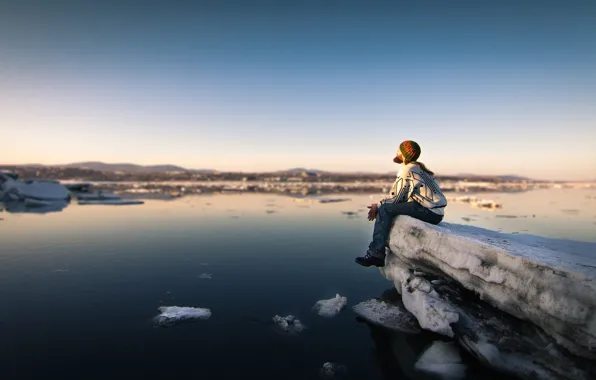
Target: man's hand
{"points": [[372, 212]]}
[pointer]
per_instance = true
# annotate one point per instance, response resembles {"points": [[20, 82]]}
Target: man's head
{"points": [[408, 151]]}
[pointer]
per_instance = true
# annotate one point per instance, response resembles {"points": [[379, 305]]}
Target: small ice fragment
{"points": [[331, 307], [60, 270], [206, 276], [204, 264], [289, 324], [443, 359], [173, 314], [333, 371]]}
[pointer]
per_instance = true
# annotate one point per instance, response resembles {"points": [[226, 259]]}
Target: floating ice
{"points": [[289, 324], [112, 202], [333, 371], [13, 188], [331, 307], [443, 359], [476, 202], [171, 315], [206, 276], [387, 315]]}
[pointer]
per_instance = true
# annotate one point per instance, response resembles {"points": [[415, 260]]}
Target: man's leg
{"points": [[384, 221], [386, 215]]}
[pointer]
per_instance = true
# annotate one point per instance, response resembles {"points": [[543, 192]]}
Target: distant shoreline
{"points": [[181, 188]]}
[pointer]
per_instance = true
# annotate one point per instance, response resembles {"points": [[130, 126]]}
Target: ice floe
{"points": [[289, 324], [170, 315], [13, 188], [206, 276], [331, 307], [546, 284], [388, 315], [442, 359]]}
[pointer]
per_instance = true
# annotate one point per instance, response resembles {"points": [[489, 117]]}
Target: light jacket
{"points": [[415, 185]]}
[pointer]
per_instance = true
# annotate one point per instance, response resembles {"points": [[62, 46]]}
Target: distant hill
{"points": [[133, 168]]}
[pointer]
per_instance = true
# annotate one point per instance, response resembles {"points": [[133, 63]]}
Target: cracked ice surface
{"points": [[549, 282]]}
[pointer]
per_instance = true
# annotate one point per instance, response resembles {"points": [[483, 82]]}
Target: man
{"points": [[414, 193]]}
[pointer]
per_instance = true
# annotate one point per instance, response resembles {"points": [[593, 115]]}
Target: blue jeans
{"points": [[386, 216]]}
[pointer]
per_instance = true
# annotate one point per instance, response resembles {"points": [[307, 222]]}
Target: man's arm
{"points": [[400, 188]]}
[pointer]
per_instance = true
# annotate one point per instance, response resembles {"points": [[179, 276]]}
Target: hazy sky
{"points": [[508, 88]]}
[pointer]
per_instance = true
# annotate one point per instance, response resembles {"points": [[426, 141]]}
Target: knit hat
{"points": [[410, 150]]}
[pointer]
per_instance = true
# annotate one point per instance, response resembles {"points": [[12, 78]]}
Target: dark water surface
{"points": [[80, 288]]}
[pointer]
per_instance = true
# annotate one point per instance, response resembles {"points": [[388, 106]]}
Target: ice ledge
{"points": [[548, 282]]}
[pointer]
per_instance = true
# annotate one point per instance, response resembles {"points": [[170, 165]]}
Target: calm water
{"points": [[79, 288]]}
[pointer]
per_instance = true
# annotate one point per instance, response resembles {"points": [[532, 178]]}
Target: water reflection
{"points": [[37, 207]]}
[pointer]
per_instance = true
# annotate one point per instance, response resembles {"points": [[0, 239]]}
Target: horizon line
{"points": [[290, 169]]}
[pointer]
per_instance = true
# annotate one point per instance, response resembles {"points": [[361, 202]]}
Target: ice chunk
{"points": [[289, 324], [13, 188], [206, 276], [333, 371], [112, 202], [331, 307], [549, 282], [170, 315], [443, 359], [387, 315]]}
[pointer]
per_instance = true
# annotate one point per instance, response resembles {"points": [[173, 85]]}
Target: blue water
{"points": [[80, 288]]}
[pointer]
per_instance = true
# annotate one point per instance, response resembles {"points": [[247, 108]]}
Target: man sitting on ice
{"points": [[414, 193]]}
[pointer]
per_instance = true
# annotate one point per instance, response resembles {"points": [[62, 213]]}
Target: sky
{"points": [[485, 87]]}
